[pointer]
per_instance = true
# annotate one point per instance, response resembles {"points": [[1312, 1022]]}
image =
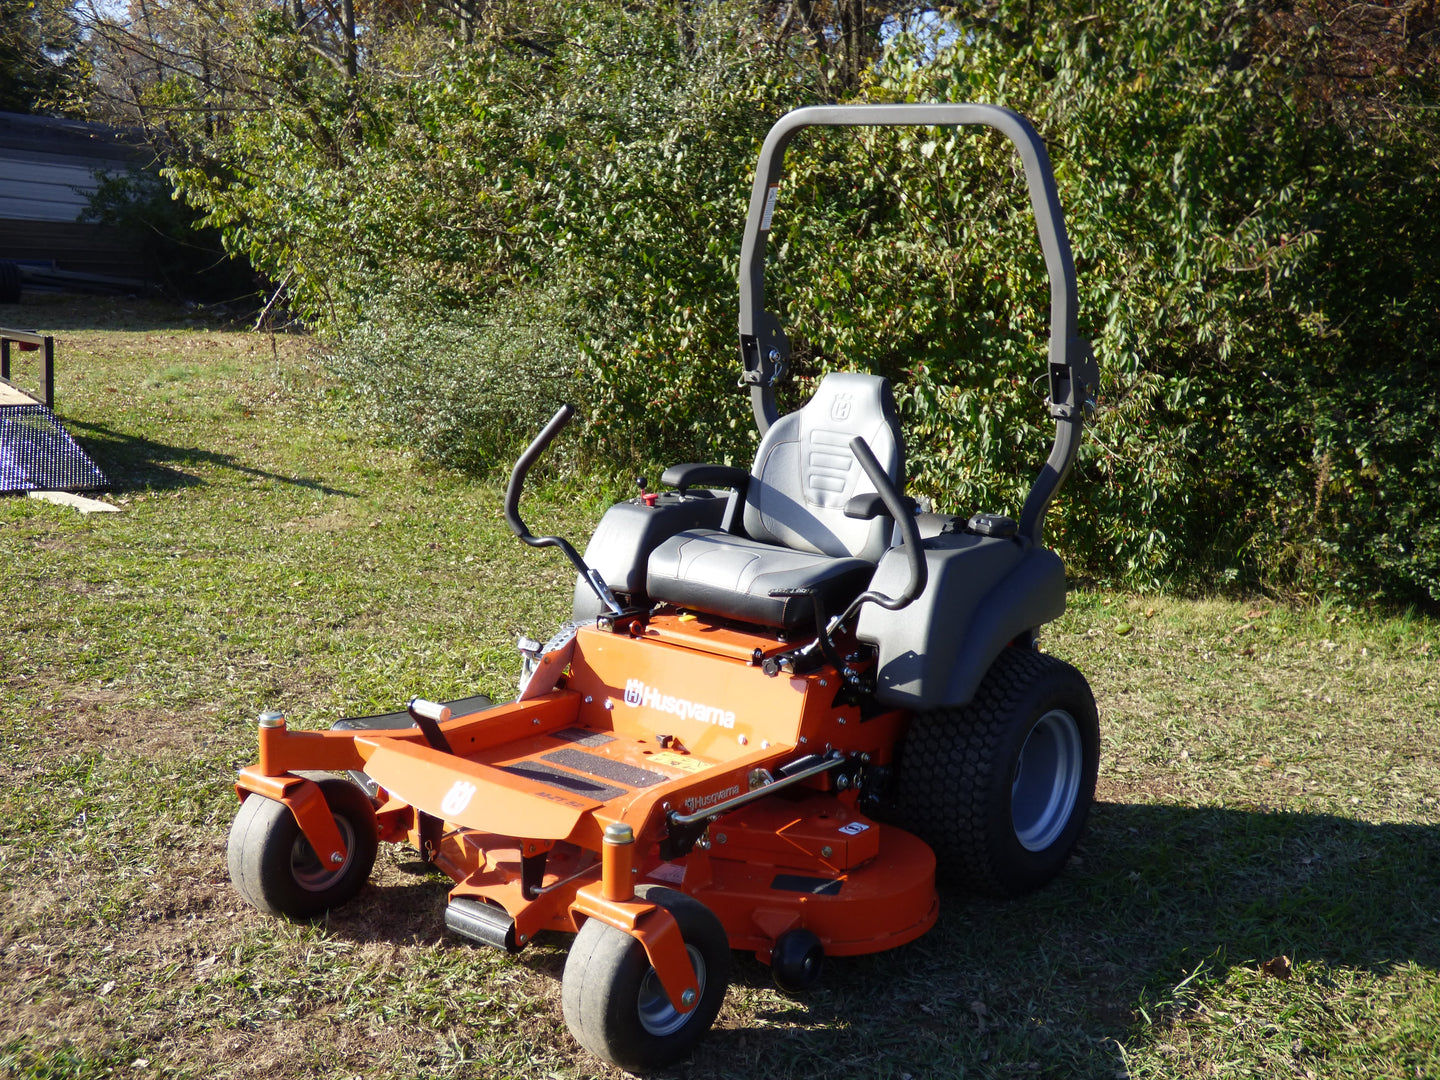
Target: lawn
{"points": [[1258, 893]]}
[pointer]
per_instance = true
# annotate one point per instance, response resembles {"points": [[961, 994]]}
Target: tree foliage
{"points": [[492, 207], [1252, 200], [38, 55]]}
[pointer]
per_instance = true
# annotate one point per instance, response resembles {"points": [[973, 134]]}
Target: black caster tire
{"points": [[274, 867], [797, 961], [613, 1002], [1001, 788]]}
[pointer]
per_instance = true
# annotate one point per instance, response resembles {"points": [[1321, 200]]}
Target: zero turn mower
{"points": [[784, 693]]}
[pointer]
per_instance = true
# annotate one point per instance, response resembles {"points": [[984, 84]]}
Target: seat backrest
{"points": [[804, 473]]}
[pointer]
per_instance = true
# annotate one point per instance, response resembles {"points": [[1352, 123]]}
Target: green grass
{"points": [[1270, 785]]}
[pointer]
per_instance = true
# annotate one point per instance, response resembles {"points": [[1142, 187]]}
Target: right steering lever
{"points": [[899, 508], [909, 537]]}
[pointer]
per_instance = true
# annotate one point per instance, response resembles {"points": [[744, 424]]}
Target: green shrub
{"points": [[557, 212], [1255, 244], [609, 168], [465, 387]]}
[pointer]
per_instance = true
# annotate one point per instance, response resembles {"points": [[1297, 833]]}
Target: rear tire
{"points": [[1001, 788], [613, 1002], [274, 867]]}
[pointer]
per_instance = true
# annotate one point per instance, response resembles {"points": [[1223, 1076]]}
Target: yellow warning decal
{"points": [[679, 761]]}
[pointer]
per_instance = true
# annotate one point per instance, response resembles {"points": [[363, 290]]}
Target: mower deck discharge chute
{"points": [[783, 694]]}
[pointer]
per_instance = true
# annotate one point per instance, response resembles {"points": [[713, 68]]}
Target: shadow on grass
{"points": [[1052, 984], [134, 463], [413, 912]]}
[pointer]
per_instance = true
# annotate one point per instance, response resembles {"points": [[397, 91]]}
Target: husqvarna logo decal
{"points": [[457, 798], [638, 695], [840, 407], [702, 801]]}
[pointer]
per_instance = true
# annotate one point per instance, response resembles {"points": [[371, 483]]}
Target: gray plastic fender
{"points": [[983, 593]]}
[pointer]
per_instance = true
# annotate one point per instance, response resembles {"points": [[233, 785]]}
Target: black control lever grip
{"points": [[517, 475], [909, 535]]}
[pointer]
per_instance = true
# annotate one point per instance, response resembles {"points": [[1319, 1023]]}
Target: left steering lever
{"points": [[512, 510]]}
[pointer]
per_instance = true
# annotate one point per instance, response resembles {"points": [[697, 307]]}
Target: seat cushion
{"points": [[722, 574]]}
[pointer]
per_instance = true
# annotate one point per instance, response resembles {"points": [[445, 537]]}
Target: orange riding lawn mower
{"points": [[783, 694]]}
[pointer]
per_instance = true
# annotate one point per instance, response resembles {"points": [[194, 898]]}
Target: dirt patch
{"points": [[190, 973], [1142, 789], [101, 719], [331, 522], [75, 586], [154, 733]]}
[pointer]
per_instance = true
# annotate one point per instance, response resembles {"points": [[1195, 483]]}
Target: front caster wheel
{"points": [[613, 1002], [274, 867], [1000, 788]]}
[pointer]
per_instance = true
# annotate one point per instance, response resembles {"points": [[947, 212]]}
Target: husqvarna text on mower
{"points": [[783, 695]]}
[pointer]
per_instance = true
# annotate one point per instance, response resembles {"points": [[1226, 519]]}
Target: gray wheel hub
{"points": [[657, 1015], [1047, 780], [310, 872]]}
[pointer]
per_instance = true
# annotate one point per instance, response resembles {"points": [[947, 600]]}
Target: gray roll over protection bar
{"points": [[1073, 372]]}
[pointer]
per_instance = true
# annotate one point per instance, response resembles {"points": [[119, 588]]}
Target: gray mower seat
{"points": [[797, 534]]}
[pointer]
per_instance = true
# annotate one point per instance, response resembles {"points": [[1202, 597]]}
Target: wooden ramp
{"points": [[13, 395]]}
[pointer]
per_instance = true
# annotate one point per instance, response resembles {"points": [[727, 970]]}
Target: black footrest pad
{"points": [[389, 721]]}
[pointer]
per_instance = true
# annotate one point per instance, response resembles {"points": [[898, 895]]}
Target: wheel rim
{"points": [[657, 1015], [305, 866], [1047, 780]]}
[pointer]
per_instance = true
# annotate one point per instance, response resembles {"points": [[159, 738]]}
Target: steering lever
{"points": [[895, 503], [518, 527]]}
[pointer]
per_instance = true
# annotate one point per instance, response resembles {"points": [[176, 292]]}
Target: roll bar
{"points": [[1074, 375]]}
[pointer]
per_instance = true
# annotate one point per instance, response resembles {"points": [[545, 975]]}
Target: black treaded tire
{"points": [[273, 866], [956, 784], [613, 1002]]}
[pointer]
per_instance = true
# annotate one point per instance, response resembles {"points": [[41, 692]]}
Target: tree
{"points": [[1254, 201], [38, 55]]}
